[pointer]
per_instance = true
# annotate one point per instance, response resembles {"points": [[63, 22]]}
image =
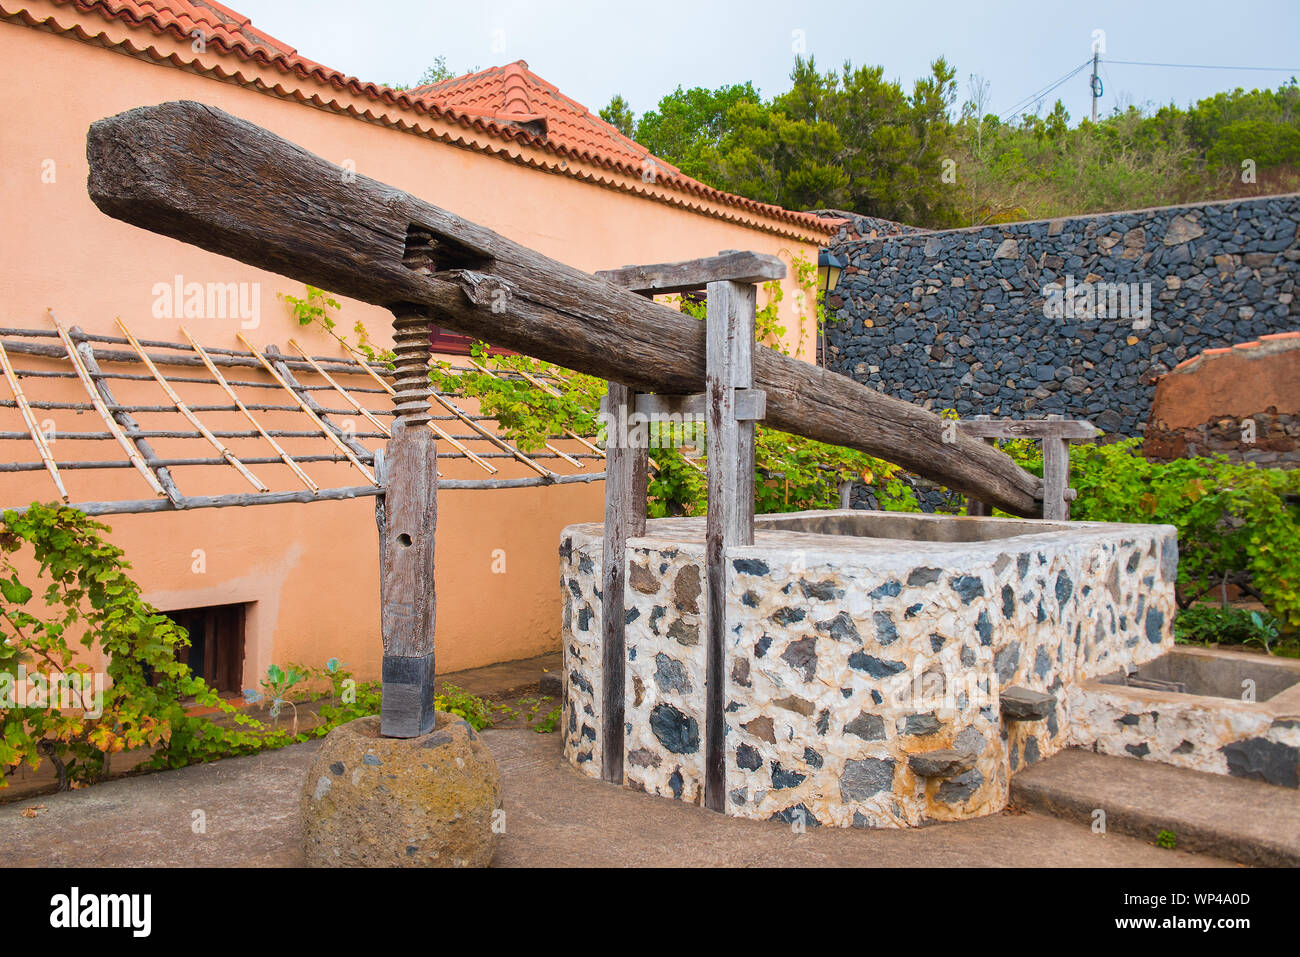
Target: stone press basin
{"points": [[883, 669], [1208, 709]]}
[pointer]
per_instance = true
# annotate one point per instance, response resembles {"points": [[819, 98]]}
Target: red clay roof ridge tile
{"points": [[572, 131]]}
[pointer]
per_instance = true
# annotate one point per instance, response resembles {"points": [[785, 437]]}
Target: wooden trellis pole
{"points": [[285, 457], [30, 420], [326, 431], [97, 400], [185, 410], [433, 426], [568, 458]]}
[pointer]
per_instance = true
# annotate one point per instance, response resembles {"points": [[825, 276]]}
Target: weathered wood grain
{"points": [[689, 275], [730, 520], [626, 478], [195, 173], [1027, 428], [407, 583]]}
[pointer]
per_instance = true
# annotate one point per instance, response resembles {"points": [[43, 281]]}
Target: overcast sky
{"points": [[593, 50]]}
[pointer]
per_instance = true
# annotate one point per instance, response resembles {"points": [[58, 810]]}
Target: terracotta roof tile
{"points": [[515, 94], [1263, 342], [508, 103]]}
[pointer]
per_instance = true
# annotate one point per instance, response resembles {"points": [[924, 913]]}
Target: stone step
{"points": [[1021, 704], [1245, 821], [941, 764]]}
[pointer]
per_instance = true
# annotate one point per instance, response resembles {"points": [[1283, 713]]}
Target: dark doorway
{"points": [[216, 651]]}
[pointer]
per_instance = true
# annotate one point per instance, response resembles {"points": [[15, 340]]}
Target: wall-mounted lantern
{"points": [[829, 267]]}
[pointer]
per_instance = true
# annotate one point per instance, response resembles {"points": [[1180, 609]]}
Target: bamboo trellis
{"points": [[300, 385]]}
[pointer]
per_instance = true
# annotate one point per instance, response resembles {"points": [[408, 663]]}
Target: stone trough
{"points": [[1225, 712], [883, 669]]}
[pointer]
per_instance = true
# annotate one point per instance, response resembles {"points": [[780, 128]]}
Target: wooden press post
{"points": [[1055, 434], [407, 515], [626, 476], [730, 407], [729, 443]]}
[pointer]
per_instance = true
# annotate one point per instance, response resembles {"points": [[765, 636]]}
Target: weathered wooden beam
{"points": [[730, 520], [1056, 477], [627, 470], [195, 173], [692, 274], [751, 405], [1027, 428]]}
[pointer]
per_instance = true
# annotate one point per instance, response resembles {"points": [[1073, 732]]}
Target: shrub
{"points": [[1237, 524], [88, 591]]}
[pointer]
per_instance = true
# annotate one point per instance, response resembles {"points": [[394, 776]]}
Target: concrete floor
{"points": [[248, 808]]}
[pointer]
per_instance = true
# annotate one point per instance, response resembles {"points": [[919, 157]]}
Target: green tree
{"points": [[620, 116], [688, 126]]}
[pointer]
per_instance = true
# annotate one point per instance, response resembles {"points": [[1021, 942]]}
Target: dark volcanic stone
{"points": [[822, 591], [924, 576], [686, 590], [889, 589], [840, 627], [796, 815], [1064, 588], [748, 758], [968, 587], [876, 667], [941, 764], [1155, 623], [677, 732], [960, 788], [801, 655], [865, 778], [782, 778], [642, 579], [670, 675], [684, 632], [869, 727], [1264, 760], [920, 724], [1021, 704], [788, 616], [886, 632]]}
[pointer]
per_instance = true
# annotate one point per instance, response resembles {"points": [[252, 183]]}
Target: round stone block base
{"points": [[371, 801]]}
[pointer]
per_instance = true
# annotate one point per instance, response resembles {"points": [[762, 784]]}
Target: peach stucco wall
{"points": [[310, 571]]}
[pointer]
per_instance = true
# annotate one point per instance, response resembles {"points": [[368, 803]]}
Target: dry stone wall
{"points": [[1073, 316]]}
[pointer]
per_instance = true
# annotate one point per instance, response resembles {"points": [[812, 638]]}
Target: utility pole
{"points": [[1096, 80]]}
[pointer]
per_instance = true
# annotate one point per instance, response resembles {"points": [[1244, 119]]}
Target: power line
{"points": [[1207, 66], [1021, 104], [1024, 104]]}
